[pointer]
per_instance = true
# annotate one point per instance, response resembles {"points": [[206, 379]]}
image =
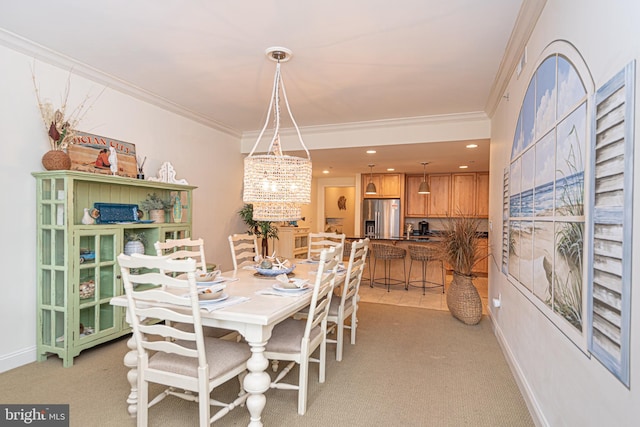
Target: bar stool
{"points": [[425, 255], [388, 253]]}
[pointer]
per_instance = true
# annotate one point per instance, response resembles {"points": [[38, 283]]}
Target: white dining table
{"points": [[254, 319]]}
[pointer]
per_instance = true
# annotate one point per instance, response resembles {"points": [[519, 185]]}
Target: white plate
{"points": [[222, 297], [280, 288]]}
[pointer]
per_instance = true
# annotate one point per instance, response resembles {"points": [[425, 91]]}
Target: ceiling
{"points": [[353, 61]]}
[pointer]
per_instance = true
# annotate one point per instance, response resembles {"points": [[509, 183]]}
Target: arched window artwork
{"points": [[567, 164], [546, 194]]}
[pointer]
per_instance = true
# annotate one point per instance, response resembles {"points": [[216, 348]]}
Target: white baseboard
{"points": [[527, 393], [14, 360]]}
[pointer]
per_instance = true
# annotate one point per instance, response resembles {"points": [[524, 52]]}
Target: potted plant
{"points": [[135, 242], [264, 230], [458, 247], [156, 207]]}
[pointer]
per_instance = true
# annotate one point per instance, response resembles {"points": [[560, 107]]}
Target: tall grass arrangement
{"points": [[567, 295], [459, 244]]}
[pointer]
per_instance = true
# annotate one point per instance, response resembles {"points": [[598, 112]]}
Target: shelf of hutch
{"points": [[77, 271]]}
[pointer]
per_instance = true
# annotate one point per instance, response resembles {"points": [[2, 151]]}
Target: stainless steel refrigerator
{"points": [[381, 218]]}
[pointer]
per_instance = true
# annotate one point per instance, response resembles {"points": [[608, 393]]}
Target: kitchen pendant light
{"points": [[424, 185], [371, 187], [277, 184]]}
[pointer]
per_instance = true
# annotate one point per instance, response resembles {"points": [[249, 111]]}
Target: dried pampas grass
{"points": [[459, 244]]}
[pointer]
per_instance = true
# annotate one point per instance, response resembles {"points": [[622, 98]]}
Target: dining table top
{"points": [[260, 304]]}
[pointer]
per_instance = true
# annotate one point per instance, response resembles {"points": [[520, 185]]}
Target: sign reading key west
{"points": [[91, 153]]}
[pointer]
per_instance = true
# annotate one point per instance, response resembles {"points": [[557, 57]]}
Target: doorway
{"points": [[339, 210]]}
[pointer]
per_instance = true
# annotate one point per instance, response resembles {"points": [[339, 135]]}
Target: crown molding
{"points": [[42, 53], [526, 21], [475, 116]]}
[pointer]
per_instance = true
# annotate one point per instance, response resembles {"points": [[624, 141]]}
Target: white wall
{"points": [[564, 385], [206, 158]]}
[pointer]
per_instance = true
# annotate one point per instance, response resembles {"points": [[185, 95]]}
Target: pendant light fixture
{"points": [[277, 184], [371, 187], [424, 185]]}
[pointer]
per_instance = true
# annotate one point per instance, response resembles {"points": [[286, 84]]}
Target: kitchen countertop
{"points": [[433, 236]]}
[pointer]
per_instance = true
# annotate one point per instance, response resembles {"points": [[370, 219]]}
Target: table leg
{"points": [[131, 362], [257, 382]]}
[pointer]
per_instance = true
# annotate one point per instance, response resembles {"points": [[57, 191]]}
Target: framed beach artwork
{"points": [[103, 155], [566, 241]]}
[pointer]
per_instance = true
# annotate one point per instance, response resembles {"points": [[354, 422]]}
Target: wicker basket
{"points": [[55, 160], [463, 300]]}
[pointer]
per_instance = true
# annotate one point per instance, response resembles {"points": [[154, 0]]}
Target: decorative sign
{"points": [[90, 153]]}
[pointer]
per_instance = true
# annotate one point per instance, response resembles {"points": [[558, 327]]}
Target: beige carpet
{"points": [[410, 367]]}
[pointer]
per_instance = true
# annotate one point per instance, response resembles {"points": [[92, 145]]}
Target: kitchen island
{"points": [[433, 272]]}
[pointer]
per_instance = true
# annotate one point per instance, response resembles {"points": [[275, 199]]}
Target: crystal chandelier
{"points": [[277, 184]]}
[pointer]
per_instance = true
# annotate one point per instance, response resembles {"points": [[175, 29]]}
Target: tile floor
{"points": [[433, 299]]}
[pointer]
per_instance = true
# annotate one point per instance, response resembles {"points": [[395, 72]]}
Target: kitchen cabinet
{"points": [[439, 199], [482, 267], [77, 272], [388, 185], [292, 242], [482, 194], [451, 194], [417, 205], [463, 194]]}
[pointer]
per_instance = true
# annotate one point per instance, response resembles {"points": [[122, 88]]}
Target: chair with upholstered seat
{"points": [[295, 340], [194, 249], [387, 254], [347, 305], [319, 241], [189, 364], [244, 249]]}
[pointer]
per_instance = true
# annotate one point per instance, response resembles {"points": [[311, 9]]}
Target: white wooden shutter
{"points": [[611, 226], [505, 221]]}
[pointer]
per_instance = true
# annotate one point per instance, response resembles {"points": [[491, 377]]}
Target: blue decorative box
{"points": [[110, 213]]}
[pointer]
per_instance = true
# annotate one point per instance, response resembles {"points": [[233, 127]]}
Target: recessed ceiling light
{"points": [[371, 151], [390, 169], [472, 145], [463, 167], [325, 171]]}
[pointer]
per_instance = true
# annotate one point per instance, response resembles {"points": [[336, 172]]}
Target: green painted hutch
{"points": [[77, 271]]}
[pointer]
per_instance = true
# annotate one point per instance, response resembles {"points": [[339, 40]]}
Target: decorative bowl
{"points": [[274, 272]]}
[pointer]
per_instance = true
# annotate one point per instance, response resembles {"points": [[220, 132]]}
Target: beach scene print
{"points": [[546, 194]]}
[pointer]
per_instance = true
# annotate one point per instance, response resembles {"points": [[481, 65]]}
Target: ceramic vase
{"points": [[177, 210], [463, 300], [54, 160], [133, 247], [86, 218]]}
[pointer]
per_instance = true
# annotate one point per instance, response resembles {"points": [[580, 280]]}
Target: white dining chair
{"points": [[189, 364], [244, 249], [182, 249], [194, 249], [347, 305], [295, 340], [319, 241]]}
